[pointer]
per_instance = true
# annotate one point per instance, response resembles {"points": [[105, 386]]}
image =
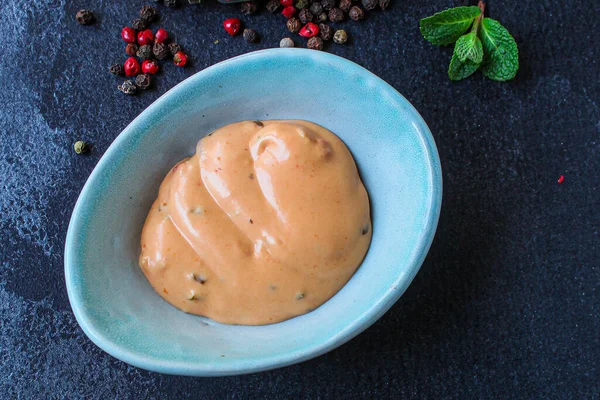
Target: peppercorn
{"points": [[84, 17], [145, 37], [345, 5], [232, 25], [286, 42], [117, 69], [322, 17], [356, 13], [325, 32], [340, 36], [384, 4], [248, 8], [180, 59], [272, 6], [132, 67], [305, 16], [128, 34], [139, 24], [171, 3], [328, 4], [160, 51], [309, 30], [143, 81], [316, 8], [148, 13], [369, 4], [336, 15], [144, 52], [250, 35], [150, 67], [288, 11], [161, 35], [294, 25], [127, 87], [81, 147], [131, 49], [174, 48], [286, 3], [315, 43], [301, 4]]}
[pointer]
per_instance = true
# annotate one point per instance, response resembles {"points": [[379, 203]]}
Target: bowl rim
{"points": [[257, 364]]}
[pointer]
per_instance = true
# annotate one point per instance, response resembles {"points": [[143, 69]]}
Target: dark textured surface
{"points": [[507, 304]]}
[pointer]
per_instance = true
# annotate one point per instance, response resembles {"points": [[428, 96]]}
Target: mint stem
{"points": [[481, 6]]}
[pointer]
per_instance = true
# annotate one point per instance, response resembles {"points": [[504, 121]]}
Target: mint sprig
{"points": [[487, 46]]}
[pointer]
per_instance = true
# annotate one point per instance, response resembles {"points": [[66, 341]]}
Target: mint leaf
{"points": [[501, 60], [447, 26], [468, 47], [460, 70]]}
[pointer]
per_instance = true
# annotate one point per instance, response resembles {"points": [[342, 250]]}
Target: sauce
{"points": [[267, 221]]}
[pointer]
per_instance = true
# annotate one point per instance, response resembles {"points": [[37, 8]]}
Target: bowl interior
{"points": [[398, 162]]}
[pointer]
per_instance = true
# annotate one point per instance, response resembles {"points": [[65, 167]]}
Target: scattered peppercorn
{"points": [[161, 36], [131, 67], [84, 17], [369, 4], [325, 32], [356, 13], [322, 17], [127, 87], [180, 59], [171, 3], [148, 13], [160, 51], [150, 67], [316, 8], [309, 30], [131, 49], [305, 16], [294, 25], [272, 6], [301, 4], [117, 69], [289, 11], [232, 26], [340, 36], [143, 81], [139, 24], [128, 34], [336, 15], [345, 5], [144, 52], [250, 35], [328, 4], [286, 42], [315, 43], [174, 48], [145, 37], [81, 147], [248, 7], [286, 3]]}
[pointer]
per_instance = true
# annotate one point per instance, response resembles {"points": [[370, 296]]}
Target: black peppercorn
{"points": [[301, 4], [250, 35], [127, 87], [81, 147], [322, 17], [336, 15], [84, 17], [286, 42], [369, 4], [305, 16], [316, 8], [384, 4], [131, 49], [174, 48], [171, 3], [345, 5], [325, 32], [328, 4], [117, 69], [294, 25], [139, 24], [144, 52], [248, 8], [148, 13], [160, 50], [315, 43], [143, 81], [272, 6], [356, 13], [340, 37]]}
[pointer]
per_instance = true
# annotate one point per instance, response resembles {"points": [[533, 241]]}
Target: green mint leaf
{"points": [[460, 70], [468, 47], [501, 55], [447, 26]]}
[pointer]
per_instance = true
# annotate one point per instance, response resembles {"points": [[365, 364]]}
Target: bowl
{"points": [[398, 162]]}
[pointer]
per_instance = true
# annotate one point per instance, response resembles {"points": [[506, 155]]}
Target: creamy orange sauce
{"points": [[267, 221]]}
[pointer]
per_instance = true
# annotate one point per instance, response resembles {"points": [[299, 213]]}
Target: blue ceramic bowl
{"points": [[396, 156]]}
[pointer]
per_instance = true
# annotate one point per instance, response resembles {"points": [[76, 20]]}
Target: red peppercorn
{"points": [[161, 35], [286, 3], [145, 37], [232, 26], [132, 66], [149, 67], [309, 30], [289, 11], [180, 58], [128, 34]]}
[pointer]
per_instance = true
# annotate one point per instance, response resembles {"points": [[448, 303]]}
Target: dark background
{"points": [[507, 303]]}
